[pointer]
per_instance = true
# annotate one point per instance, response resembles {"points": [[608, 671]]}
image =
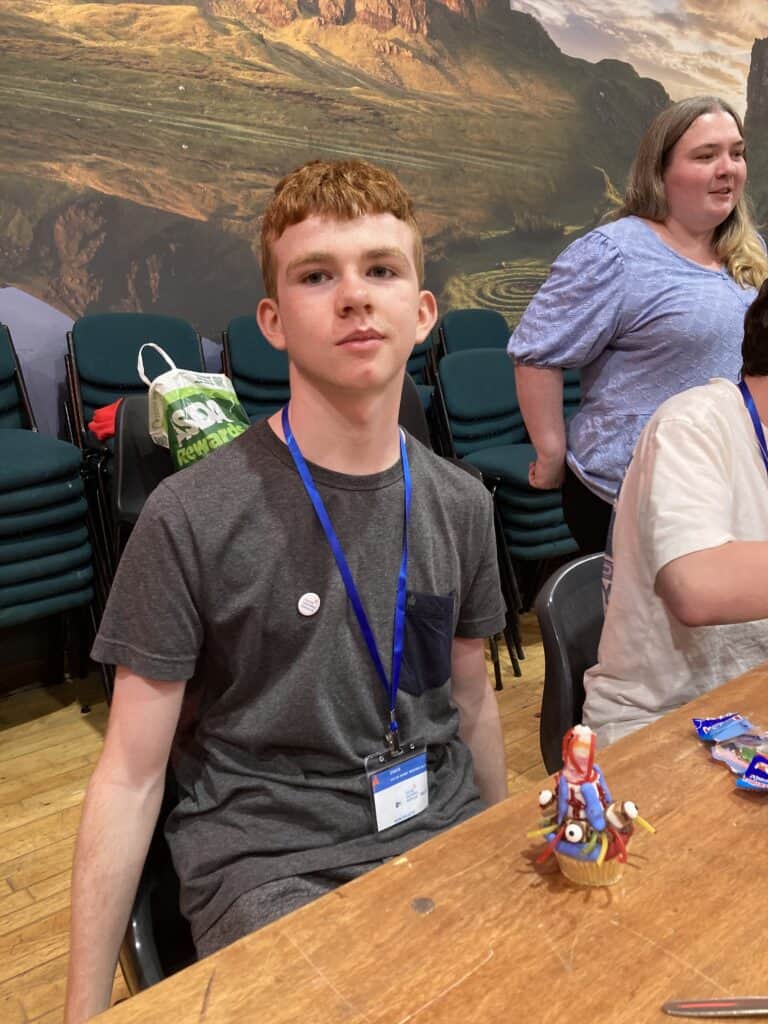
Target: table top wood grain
{"points": [[466, 928]]}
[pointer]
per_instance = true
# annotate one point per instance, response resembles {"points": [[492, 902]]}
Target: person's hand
{"points": [[546, 474]]}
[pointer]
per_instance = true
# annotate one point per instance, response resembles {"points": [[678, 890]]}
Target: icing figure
{"points": [[585, 828]]}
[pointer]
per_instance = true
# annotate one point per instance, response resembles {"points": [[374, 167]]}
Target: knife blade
{"points": [[736, 1006]]}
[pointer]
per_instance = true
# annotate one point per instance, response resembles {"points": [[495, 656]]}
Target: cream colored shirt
{"points": [[696, 481]]}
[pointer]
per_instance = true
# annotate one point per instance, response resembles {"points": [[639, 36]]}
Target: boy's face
{"points": [[348, 309]]}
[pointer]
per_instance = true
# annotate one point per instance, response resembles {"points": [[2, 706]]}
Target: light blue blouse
{"points": [[642, 323]]}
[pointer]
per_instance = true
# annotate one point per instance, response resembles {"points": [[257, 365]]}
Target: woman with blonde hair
{"points": [[647, 305]]}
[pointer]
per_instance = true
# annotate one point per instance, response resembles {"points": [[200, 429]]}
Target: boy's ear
{"points": [[427, 315], [268, 319]]}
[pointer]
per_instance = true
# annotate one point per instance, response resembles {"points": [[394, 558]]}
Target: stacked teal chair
{"points": [[421, 369], [486, 426], [45, 553], [259, 373], [101, 358], [465, 329], [421, 361], [102, 352]]}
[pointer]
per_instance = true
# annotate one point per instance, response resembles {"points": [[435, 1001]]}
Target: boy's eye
{"points": [[380, 271], [314, 277]]}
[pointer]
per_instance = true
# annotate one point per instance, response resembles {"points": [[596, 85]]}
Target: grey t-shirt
{"points": [[281, 708]]}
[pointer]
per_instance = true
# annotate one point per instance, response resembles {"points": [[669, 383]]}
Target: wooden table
{"points": [[465, 929]]}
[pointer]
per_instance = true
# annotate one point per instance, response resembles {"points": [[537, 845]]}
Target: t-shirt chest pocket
{"points": [[428, 641]]}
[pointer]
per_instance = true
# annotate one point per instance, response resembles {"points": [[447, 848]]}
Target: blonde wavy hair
{"points": [[736, 242]]}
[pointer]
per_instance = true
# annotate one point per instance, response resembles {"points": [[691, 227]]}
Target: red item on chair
{"points": [[102, 426]]}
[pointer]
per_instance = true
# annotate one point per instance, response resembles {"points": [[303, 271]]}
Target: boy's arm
{"points": [[717, 586], [119, 813], [479, 722]]}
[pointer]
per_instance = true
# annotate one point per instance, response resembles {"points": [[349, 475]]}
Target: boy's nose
{"points": [[354, 292]]}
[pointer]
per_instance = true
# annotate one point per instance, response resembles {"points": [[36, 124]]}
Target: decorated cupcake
{"points": [[587, 830]]}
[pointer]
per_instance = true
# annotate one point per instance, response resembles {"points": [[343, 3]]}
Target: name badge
{"points": [[398, 784]]}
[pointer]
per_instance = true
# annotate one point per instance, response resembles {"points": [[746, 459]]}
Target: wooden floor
{"points": [[47, 749]]}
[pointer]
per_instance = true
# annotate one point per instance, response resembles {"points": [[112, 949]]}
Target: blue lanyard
{"points": [[755, 417], [398, 633]]}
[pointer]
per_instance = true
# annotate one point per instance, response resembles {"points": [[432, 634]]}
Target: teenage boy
{"points": [[688, 604], [269, 613]]}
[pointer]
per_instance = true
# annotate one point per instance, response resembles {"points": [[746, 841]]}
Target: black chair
{"points": [[139, 466], [158, 941], [569, 608]]}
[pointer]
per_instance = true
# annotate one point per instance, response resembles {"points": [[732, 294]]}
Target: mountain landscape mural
{"points": [[139, 141]]}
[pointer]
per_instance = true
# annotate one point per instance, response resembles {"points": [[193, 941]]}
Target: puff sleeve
{"points": [[577, 311]]}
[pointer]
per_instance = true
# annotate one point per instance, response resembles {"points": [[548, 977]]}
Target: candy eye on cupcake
{"points": [[574, 832], [546, 796]]}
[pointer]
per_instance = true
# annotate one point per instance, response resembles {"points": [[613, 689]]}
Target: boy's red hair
{"points": [[339, 190]]}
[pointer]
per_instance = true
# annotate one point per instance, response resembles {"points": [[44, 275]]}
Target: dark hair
{"points": [[754, 348]]}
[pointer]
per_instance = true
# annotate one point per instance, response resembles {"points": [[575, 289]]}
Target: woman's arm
{"points": [[540, 394]]}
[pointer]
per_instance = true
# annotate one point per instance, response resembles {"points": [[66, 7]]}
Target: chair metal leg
{"points": [[496, 663]]}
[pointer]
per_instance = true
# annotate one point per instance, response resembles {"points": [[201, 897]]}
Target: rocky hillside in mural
{"points": [[138, 142], [756, 129]]}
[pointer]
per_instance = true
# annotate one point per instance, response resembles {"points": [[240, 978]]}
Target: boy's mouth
{"points": [[360, 335]]}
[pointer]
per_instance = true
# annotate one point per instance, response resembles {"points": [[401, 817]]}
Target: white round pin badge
{"points": [[309, 604]]}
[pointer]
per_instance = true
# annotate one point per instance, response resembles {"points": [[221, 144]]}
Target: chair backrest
{"points": [[569, 608], [259, 372], [104, 348], [158, 940], [478, 392], [139, 466], [419, 363], [15, 410], [463, 329], [412, 415]]}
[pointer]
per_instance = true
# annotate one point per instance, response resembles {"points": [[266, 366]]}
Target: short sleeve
{"points": [[482, 610], [685, 490], [577, 311], [152, 623]]}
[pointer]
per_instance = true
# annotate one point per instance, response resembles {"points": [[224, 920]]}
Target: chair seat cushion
{"points": [[49, 586], [48, 565], [40, 609], [533, 521], [530, 535], [25, 499], [538, 552], [509, 463], [30, 459], [523, 502], [44, 542], [19, 524]]}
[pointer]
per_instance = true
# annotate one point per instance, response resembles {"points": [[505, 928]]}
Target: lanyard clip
{"points": [[392, 739]]}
